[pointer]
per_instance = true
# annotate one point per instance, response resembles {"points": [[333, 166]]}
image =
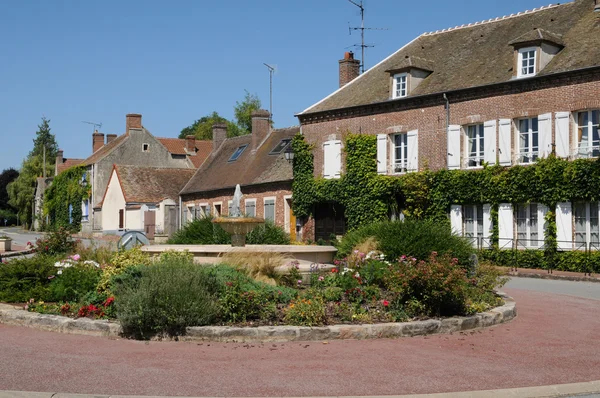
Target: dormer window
{"points": [[527, 63], [400, 85], [237, 153]]}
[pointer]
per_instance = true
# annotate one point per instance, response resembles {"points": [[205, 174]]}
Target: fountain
{"points": [[237, 225]]}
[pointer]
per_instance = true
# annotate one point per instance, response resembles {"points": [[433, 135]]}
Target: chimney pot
{"points": [[133, 121], [97, 141], [219, 134], [261, 127], [349, 68]]}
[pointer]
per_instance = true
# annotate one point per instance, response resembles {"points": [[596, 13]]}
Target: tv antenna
{"points": [[272, 70], [96, 125], [362, 29]]}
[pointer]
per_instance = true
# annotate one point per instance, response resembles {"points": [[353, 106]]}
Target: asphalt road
{"points": [[589, 290], [554, 340]]}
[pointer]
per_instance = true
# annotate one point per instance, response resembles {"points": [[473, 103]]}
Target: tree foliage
{"points": [[63, 199], [6, 177], [243, 111], [44, 138]]}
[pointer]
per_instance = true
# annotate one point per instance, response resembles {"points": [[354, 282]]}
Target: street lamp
{"points": [[289, 154]]}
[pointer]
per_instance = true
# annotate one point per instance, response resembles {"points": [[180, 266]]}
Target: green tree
{"points": [[243, 112], [21, 191], [202, 128], [6, 177]]}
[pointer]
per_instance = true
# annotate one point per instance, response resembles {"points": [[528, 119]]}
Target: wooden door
{"points": [[121, 218], [150, 224], [329, 221], [292, 226]]}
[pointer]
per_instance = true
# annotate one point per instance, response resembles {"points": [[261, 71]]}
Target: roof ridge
{"points": [[497, 19]]}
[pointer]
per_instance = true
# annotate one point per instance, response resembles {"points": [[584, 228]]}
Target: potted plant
{"points": [[5, 242]]}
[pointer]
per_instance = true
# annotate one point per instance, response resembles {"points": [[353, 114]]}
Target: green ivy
{"points": [[66, 189], [368, 197]]}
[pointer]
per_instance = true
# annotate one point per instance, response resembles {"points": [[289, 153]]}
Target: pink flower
{"points": [[321, 278], [75, 257], [299, 281]]}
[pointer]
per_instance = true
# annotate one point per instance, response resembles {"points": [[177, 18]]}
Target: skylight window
{"points": [[237, 153], [280, 147]]}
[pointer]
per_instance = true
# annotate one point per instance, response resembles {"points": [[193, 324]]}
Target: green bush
{"points": [[268, 234], [56, 242], [25, 278], [306, 312], [168, 297], [239, 304], [413, 238], [119, 262], [201, 231], [74, 283], [575, 261]]}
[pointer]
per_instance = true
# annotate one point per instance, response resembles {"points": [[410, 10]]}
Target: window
{"points": [[145, 147], [332, 159], [191, 213], [203, 210], [85, 206], [528, 140], [586, 224], [250, 210], [526, 62], [475, 146], [217, 207], [527, 226], [400, 153], [237, 153], [588, 137], [280, 147], [270, 209], [400, 86], [229, 207], [473, 222]]}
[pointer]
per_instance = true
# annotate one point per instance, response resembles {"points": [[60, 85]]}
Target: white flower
{"points": [[58, 264], [92, 262], [59, 272], [357, 275]]}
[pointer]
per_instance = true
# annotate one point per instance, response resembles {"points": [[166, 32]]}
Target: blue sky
{"points": [[176, 61]]}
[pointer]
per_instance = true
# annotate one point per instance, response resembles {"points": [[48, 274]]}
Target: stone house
{"points": [[505, 91], [256, 162]]}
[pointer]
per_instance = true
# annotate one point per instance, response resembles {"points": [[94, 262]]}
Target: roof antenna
{"points": [[362, 29], [96, 125], [272, 70]]}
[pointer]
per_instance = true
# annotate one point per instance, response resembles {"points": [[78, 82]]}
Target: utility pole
{"points": [[362, 29], [44, 162], [271, 70]]}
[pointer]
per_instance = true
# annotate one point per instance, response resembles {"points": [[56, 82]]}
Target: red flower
{"points": [[385, 303], [334, 270], [109, 301]]}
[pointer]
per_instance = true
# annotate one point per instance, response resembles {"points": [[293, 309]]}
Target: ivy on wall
{"points": [[67, 191], [368, 196]]}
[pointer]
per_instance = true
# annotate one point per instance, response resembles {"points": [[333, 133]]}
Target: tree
{"points": [[202, 128], [243, 111], [6, 177], [21, 191]]}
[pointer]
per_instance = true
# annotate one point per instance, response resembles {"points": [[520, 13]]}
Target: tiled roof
{"points": [[250, 168], [105, 150], [479, 54], [151, 184], [67, 163], [177, 146]]}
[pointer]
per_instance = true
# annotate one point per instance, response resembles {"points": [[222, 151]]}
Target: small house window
{"points": [[250, 207], [400, 153], [238, 152], [527, 225], [280, 147], [527, 63], [145, 147], [528, 140], [270, 209], [585, 215], [588, 134], [473, 221], [475, 145], [400, 88]]}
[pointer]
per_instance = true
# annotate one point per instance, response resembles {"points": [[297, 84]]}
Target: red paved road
{"points": [[554, 340]]}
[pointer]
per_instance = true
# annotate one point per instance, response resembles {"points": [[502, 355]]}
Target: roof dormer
{"points": [[534, 50], [407, 75]]}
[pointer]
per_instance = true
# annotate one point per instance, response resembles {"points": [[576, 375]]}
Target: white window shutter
{"points": [[413, 150], [542, 224], [456, 219], [545, 134], [487, 225], [489, 142], [382, 145], [504, 134], [453, 138], [505, 226], [327, 161], [337, 159], [561, 129], [564, 225]]}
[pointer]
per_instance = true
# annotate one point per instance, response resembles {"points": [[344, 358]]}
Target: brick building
{"points": [[505, 91], [256, 162]]}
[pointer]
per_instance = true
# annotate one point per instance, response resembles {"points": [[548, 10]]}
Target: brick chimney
{"points": [[97, 141], [261, 127], [219, 134], [59, 161], [110, 138], [349, 68], [133, 121], [190, 143]]}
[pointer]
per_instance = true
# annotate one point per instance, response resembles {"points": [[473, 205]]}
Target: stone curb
{"points": [[12, 315], [557, 390], [555, 277]]}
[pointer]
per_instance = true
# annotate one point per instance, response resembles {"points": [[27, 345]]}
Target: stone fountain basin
{"points": [[238, 225]]}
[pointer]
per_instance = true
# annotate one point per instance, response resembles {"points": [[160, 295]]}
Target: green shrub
{"points": [[575, 261], [239, 304], [168, 297], [201, 231], [56, 242], [74, 283], [25, 278], [119, 262], [306, 312], [413, 238], [268, 234]]}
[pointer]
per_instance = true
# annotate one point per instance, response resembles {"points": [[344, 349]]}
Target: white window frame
{"points": [[85, 210], [400, 165], [479, 158], [521, 59], [274, 199], [246, 202], [190, 212], [203, 209], [214, 206], [477, 222], [588, 225], [400, 85], [530, 153], [528, 228], [145, 147], [590, 148]]}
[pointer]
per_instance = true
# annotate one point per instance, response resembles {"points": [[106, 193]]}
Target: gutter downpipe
{"points": [[447, 113], [179, 211]]}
